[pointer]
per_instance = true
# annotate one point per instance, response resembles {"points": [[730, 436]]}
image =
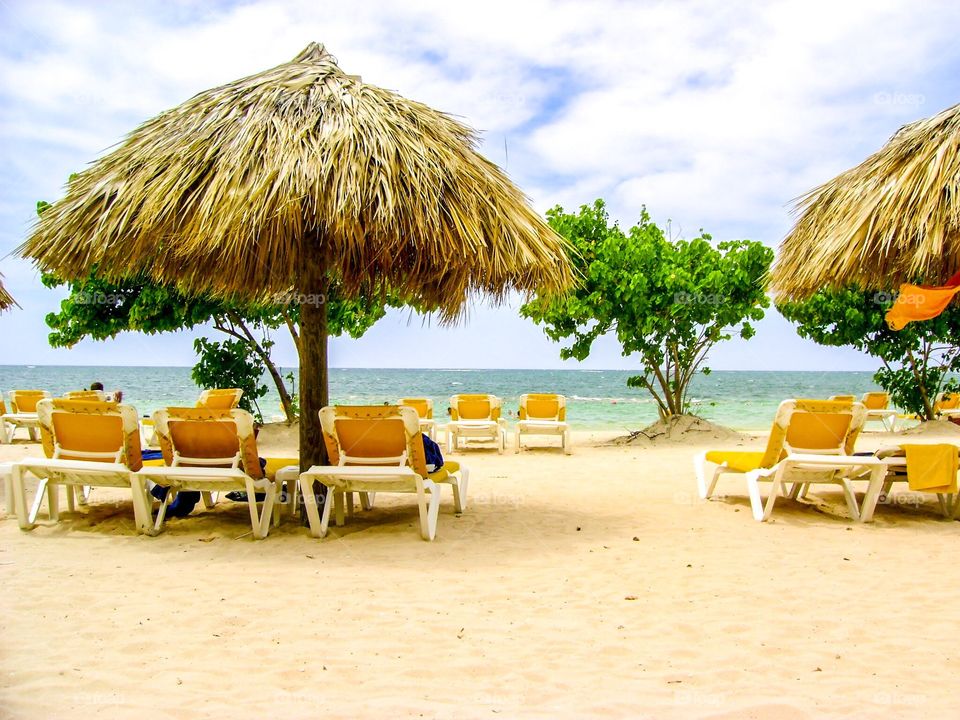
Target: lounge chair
{"points": [[23, 413], [86, 444], [543, 414], [91, 395], [211, 451], [811, 442], [877, 404], [896, 460], [476, 416], [947, 405], [220, 398], [424, 408], [378, 449]]}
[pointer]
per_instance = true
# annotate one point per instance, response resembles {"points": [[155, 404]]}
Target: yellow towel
{"points": [[932, 468]]}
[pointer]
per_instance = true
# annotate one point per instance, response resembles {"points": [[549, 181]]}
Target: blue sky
{"points": [[713, 115]]}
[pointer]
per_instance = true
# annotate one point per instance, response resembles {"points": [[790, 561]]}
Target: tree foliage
{"points": [[229, 364], [667, 301], [917, 361], [101, 310]]}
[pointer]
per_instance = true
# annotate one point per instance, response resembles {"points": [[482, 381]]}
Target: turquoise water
{"points": [[597, 399]]}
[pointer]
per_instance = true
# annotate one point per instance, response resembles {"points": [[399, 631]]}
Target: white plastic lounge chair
{"points": [[543, 414], [220, 398], [424, 408], [878, 410], [378, 449], [23, 413], [811, 442], [476, 416], [895, 459], [87, 444], [211, 451], [947, 405]]}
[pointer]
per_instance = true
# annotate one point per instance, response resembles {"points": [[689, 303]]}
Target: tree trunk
{"points": [[921, 385], [259, 350], [314, 390]]}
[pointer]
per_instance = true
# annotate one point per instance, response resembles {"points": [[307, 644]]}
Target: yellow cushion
{"points": [[154, 463], [274, 464], [739, 461]]}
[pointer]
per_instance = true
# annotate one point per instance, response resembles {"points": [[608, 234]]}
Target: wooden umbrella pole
{"points": [[314, 382]]}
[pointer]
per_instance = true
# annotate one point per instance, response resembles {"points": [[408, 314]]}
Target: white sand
{"points": [[595, 585]]}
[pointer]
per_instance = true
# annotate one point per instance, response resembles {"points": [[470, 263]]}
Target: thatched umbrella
{"points": [[286, 180], [6, 300], [894, 218]]}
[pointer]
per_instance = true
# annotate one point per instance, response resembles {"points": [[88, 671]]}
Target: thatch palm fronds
{"points": [[894, 218], [286, 180], [6, 300], [235, 189]]}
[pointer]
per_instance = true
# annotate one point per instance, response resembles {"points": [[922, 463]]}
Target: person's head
{"points": [[96, 386]]}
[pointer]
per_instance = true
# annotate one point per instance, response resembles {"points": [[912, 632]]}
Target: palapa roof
{"points": [[6, 300], [235, 190], [894, 218]]}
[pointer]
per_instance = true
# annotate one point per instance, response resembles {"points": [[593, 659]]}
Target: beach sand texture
{"points": [[594, 585]]}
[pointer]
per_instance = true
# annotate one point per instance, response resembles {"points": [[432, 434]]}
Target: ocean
{"points": [[596, 399]]}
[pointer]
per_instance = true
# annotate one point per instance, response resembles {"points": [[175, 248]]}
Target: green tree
{"points": [[229, 364], [667, 301], [916, 361], [101, 310]]}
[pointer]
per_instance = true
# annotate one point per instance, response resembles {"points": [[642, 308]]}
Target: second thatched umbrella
{"points": [[289, 179], [894, 218]]}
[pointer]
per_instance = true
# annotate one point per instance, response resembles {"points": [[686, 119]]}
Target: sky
{"points": [[713, 115]]}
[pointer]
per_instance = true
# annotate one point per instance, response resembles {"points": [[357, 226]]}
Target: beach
{"points": [[590, 585]]}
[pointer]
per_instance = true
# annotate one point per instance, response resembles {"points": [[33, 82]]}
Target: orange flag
{"points": [[921, 302]]}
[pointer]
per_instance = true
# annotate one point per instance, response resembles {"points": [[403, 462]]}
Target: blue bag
{"points": [[433, 454]]}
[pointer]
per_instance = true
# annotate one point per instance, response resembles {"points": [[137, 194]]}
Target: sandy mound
{"points": [[935, 429], [682, 429], [279, 439]]}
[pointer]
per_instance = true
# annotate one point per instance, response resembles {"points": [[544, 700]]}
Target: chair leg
{"points": [[700, 469], [887, 485], [318, 525], [141, 505], [851, 499], [777, 488], [260, 522], [516, 440], [428, 513], [20, 499], [876, 487], [460, 490], [37, 501], [567, 442], [367, 499], [8, 495], [162, 512], [756, 503]]}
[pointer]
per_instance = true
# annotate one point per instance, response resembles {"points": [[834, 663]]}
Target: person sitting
{"points": [[115, 396]]}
